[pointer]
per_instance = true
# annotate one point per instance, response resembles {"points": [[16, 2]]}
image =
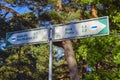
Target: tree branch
{"points": [[94, 11], [16, 14]]}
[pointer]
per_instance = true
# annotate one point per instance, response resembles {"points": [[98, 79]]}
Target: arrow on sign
{"points": [[91, 28]]}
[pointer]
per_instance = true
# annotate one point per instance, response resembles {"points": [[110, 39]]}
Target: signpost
{"points": [[85, 28], [82, 29], [33, 36], [50, 55]]}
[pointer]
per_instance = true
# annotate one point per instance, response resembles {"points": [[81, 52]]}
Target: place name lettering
{"points": [[69, 31], [26, 38]]}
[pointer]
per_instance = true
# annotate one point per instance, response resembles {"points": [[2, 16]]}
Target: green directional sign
{"points": [[85, 28], [33, 36]]}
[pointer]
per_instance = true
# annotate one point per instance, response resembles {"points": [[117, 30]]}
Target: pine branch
{"points": [[16, 14]]}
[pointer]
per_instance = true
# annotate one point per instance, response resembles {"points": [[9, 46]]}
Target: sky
{"points": [[24, 9], [20, 10]]}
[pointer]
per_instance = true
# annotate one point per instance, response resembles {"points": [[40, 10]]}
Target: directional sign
{"points": [[85, 28], [27, 36]]}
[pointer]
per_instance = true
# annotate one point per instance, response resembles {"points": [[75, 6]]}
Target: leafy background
{"points": [[30, 62]]}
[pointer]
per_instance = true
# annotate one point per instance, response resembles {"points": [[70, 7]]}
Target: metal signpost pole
{"points": [[50, 55]]}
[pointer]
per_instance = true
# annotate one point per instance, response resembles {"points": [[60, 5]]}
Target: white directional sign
{"points": [[85, 28], [26, 37]]}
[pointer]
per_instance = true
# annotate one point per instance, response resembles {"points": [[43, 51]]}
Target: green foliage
{"points": [[103, 50], [92, 76], [31, 17], [63, 17], [101, 76], [10, 1], [52, 2], [55, 16], [116, 50], [82, 51], [115, 19], [25, 60], [85, 2], [30, 62]]}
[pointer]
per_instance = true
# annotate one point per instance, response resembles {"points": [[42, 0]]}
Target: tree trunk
{"points": [[94, 11], [70, 58], [59, 5], [69, 53]]}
